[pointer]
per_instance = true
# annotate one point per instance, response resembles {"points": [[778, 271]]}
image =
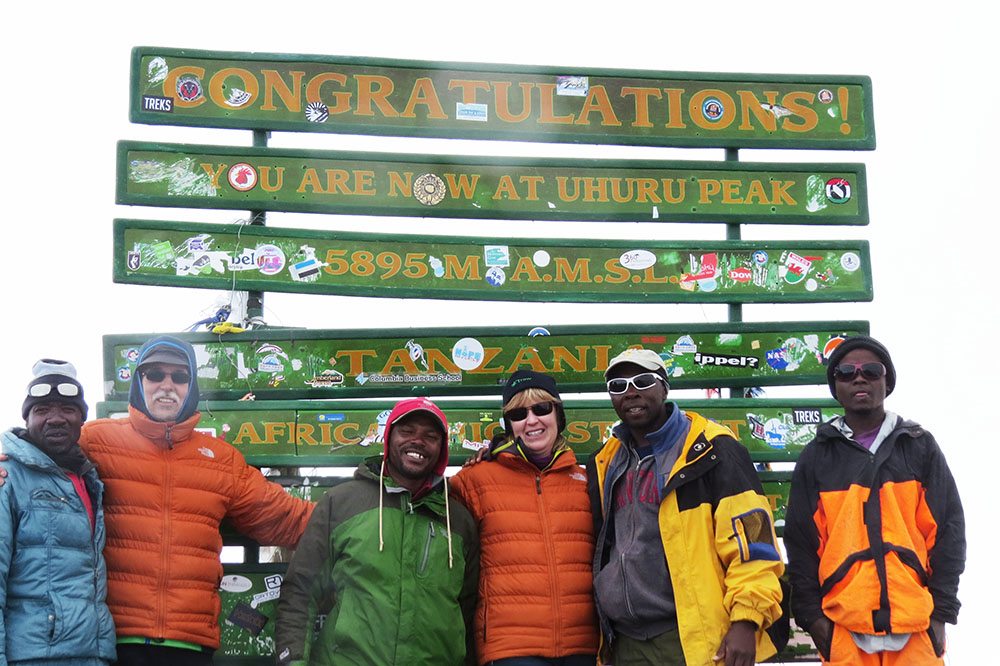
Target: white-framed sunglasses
{"points": [[641, 382]]}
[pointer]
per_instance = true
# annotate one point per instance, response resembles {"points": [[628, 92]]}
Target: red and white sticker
{"points": [[242, 177]]}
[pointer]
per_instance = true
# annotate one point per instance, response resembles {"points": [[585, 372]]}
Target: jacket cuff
{"points": [[747, 614]]}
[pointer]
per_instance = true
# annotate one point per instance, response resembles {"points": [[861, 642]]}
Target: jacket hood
{"points": [[406, 407], [23, 451], [136, 397]]}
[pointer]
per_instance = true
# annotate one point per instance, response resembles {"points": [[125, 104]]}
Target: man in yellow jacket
{"points": [[686, 564]]}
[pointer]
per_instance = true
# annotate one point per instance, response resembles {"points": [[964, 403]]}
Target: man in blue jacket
{"points": [[53, 581]]}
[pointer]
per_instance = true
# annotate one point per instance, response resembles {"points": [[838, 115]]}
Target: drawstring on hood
{"points": [[381, 494], [447, 521]]}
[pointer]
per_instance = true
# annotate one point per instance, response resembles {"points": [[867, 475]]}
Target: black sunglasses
{"points": [[845, 372], [643, 381], [177, 377], [538, 409]]}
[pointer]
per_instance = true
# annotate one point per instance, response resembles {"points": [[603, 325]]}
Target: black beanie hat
{"points": [[523, 380], [861, 342], [53, 373]]}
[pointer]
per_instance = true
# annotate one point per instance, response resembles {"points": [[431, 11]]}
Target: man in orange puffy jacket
{"points": [[168, 487]]}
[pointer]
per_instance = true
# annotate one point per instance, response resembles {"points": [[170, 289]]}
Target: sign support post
{"points": [[255, 299]]}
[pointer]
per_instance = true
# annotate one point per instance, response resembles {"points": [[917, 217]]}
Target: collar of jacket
{"points": [[695, 458], [163, 433], [513, 454], [433, 498], [16, 445], [827, 432]]}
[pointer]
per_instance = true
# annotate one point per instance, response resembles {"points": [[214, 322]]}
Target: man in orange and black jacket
{"points": [[874, 531]]}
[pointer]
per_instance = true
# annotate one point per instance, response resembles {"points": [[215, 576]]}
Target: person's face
{"points": [[54, 423], [165, 390], [642, 411], [860, 394], [414, 448], [537, 433]]}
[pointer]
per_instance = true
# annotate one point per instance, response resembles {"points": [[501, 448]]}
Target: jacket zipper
{"points": [[550, 561], [427, 548], [162, 586]]}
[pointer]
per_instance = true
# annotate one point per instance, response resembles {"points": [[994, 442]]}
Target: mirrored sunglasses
{"points": [[66, 389], [641, 382], [177, 377], [845, 372], [539, 409]]}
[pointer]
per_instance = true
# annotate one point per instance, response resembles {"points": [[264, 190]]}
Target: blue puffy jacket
{"points": [[53, 583]]}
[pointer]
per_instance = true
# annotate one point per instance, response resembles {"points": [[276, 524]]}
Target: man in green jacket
{"points": [[392, 566]]}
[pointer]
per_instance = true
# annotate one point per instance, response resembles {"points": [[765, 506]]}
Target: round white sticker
{"points": [[850, 262], [541, 258], [468, 353], [234, 583], [637, 260]]}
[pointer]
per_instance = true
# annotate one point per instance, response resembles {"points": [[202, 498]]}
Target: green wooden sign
{"points": [[287, 364], [339, 433], [254, 258], [305, 93], [249, 604], [494, 187]]}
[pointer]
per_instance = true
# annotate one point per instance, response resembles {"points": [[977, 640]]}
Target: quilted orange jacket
{"points": [[536, 594], [167, 489]]}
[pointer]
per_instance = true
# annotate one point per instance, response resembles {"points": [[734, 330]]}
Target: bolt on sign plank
{"points": [[253, 258], [308, 93], [341, 433], [312, 181], [290, 364]]}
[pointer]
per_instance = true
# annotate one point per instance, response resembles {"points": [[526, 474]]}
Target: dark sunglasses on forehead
{"points": [[177, 377], [66, 389], [845, 372], [539, 409], [641, 382]]}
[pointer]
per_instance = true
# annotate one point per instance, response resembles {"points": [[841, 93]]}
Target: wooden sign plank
{"points": [[341, 433], [253, 258], [290, 364], [312, 181], [308, 93]]}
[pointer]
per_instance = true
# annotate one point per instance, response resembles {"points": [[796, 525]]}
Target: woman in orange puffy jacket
{"points": [[536, 600]]}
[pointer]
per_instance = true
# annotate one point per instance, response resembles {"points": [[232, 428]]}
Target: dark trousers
{"points": [[158, 655], [572, 660], [662, 650]]}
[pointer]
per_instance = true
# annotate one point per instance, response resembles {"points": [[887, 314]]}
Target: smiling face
{"points": [[164, 398], [538, 434], [642, 411], [861, 398], [54, 423], [413, 449]]}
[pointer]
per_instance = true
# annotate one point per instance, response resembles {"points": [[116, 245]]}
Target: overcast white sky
{"points": [[932, 181]]}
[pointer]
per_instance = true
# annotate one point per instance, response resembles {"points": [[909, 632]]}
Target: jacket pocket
{"points": [[425, 553], [35, 626]]}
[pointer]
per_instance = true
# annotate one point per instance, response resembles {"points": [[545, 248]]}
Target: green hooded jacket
{"points": [[403, 603]]}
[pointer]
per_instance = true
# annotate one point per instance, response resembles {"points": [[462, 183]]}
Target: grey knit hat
{"points": [[55, 381]]}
